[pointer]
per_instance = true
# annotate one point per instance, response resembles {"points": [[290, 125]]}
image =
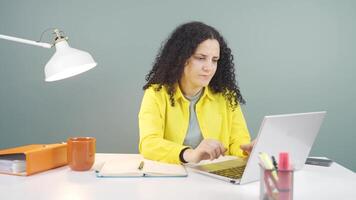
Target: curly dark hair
{"points": [[179, 47]]}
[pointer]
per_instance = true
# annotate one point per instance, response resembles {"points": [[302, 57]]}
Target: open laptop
{"points": [[293, 133]]}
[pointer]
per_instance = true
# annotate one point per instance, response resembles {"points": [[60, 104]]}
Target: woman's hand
{"points": [[207, 149], [247, 148]]}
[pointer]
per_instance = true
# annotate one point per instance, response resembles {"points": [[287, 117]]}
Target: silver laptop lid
{"points": [[293, 133]]}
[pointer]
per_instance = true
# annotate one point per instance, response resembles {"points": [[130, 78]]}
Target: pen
{"points": [[274, 163], [267, 163], [140, 167]]}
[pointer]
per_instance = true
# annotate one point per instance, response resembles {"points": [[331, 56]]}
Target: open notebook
{"points": [[134, 165]]}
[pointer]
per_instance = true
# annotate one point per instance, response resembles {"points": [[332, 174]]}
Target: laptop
{"points": [[293, 133]]}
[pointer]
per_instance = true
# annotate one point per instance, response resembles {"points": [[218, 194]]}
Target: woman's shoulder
{"points": [[222, 98], [156, 90], [219, 96]]}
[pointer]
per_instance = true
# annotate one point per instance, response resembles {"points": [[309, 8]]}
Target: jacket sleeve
{"points": [[239, 133], [151, 117]]}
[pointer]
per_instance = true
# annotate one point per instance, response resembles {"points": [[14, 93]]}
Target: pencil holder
{"points": [[276, 184]]}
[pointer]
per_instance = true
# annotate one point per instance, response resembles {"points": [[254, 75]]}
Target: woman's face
{"points": [[201, 66]]}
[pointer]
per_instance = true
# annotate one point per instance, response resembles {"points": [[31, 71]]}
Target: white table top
{"points": [[313, 182]]}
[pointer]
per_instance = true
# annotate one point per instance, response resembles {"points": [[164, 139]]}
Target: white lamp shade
{"points": [[67, 62]]}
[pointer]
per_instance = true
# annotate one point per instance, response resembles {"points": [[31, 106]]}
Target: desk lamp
{"points": [[66, 61]]}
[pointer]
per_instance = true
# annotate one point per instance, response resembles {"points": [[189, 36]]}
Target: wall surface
{"points": [[291, 56]]}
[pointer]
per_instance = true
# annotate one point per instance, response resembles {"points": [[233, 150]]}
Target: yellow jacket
{"points": [[163, 128]]}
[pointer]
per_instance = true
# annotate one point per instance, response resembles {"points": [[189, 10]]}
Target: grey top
{"points": [[193, 136]]}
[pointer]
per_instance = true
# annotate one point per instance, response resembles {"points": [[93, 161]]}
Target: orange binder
{"points": [[37, 157]]}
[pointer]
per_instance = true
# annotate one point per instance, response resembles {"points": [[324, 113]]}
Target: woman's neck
{"points": [[189, 91]]}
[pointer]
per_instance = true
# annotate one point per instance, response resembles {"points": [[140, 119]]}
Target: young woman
{"points": [[190, 110]]}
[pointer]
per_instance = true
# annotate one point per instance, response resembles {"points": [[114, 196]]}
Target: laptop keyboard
{"points": [[234, 172]]}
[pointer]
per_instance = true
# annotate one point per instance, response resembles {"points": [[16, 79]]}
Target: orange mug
{"points": [[81, 153]]}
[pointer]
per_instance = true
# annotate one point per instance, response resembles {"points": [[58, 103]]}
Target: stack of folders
{"points": [[15, 163], [31, 159], [134, 165]]}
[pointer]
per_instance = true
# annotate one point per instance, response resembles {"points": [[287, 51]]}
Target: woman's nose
{"points": [[208, 65]]}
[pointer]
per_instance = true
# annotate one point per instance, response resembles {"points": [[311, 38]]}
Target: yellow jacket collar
{"points": [[207, 93]]}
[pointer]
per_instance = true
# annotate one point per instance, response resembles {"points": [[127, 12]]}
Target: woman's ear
{"points": [[186, 62]]}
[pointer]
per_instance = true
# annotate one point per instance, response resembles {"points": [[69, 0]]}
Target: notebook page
{"points": [[155, 168], [122, 165]]}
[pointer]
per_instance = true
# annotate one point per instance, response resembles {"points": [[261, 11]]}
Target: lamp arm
{"points": [[30, 42]]}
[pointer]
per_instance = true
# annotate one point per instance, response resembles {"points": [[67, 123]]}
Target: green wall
{"points": [[291, 56]]}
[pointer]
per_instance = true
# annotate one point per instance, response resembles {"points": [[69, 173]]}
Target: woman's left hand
{"points": [[247, 148]]}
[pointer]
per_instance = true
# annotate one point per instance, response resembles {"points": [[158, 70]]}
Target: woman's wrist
{"points": [[182, 155], [187, 155]]}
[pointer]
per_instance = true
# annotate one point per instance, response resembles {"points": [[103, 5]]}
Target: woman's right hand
{"points": [[207, 149]]}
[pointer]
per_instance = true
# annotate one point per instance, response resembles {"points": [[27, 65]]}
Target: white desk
{"points": [[335, 182]]}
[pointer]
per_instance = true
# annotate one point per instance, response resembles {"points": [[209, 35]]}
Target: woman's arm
{"points": [[151, 124], [239, 133]]}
